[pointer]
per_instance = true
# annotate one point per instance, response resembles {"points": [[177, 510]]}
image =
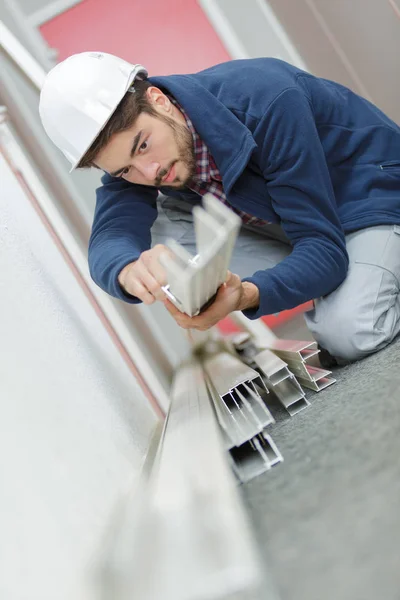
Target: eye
{"points": [[143, 146]]}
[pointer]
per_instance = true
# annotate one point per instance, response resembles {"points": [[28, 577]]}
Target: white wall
{"points": [[356, 43], [250, 29], [74, 424], [148, 332]]}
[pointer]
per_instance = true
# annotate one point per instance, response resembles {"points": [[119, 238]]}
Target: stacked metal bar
{"points": [[296, 354], [238, 394], [274, 371]]}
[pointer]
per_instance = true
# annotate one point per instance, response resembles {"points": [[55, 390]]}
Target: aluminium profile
{"points": [[235, 428], [319, 385], [261, 339], [276, 376], [293, 350], [308, 372], [296, 354], [279, 379], [194, 281], [254, 457], [249, 456], [318, 379], [273, 368], [241, 411], [190, 538], [291, 395]]}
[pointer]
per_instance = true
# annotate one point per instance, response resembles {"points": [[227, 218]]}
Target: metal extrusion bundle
{"points": [[238, 368], [236, 385], [274, 372], [296, 354], [242, 414]]}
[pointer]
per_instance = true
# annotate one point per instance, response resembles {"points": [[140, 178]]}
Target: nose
{"points": [[148, 169]]}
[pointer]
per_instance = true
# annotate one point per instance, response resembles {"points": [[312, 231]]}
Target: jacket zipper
{"points": [[390, 165]]}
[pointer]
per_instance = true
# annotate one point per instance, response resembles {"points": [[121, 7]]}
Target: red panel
{"points": [[167, 36], [228, 326]]}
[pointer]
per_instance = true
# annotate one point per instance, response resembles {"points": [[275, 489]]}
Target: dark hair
{"points": [[131, 106]]}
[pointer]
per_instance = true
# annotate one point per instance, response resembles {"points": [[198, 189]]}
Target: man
{"points": [[312, 168]]}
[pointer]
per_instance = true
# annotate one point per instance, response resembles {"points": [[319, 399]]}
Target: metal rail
{"points": [[30, 67], [189, 536]]}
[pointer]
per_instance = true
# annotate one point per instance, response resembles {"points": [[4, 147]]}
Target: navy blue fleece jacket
{"points": [[292, 149]]}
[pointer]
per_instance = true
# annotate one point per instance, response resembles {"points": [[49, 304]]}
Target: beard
{"points": [[186, 155]]}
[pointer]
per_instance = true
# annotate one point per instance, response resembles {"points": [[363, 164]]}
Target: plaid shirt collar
{"points": [[207, 178]]}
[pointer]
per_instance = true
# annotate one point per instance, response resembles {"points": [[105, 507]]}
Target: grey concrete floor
{"points": [[328, 518]]}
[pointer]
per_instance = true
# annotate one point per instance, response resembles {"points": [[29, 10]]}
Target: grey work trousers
{"points": [[360, 317]]}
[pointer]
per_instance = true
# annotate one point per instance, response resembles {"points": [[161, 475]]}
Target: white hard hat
{"points": [[79, 96]]}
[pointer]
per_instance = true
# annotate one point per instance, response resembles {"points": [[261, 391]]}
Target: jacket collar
{"points": [[229, 141]]}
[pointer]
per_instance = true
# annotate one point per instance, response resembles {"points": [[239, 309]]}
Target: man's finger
{"points": [[151, 284], [141, 292], [152, 264], [182, 319]]}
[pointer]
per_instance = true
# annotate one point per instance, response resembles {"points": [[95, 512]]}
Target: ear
{"points": [[159, 100]]}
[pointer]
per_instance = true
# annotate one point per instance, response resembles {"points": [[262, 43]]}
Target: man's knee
{"points": [[350, 334], [344, 336]]}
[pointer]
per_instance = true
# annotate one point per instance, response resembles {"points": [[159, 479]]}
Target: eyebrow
{"points": [[133, 150]]}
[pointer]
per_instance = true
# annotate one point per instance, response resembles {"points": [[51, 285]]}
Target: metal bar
{"points": [[308, 372], [190, 540], [241, 411], [255, 457], [291, 395], [299, 368], [271, 366], [293, 349], [30, 67], [207, 230], [315, 373], [193, 281], [227, 372], [227, 219], [276, 376], [236, 429], [319, 385], [296, 353]]}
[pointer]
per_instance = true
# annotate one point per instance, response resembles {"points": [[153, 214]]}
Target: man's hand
{"points": [[144, 277], [232, 295]]}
